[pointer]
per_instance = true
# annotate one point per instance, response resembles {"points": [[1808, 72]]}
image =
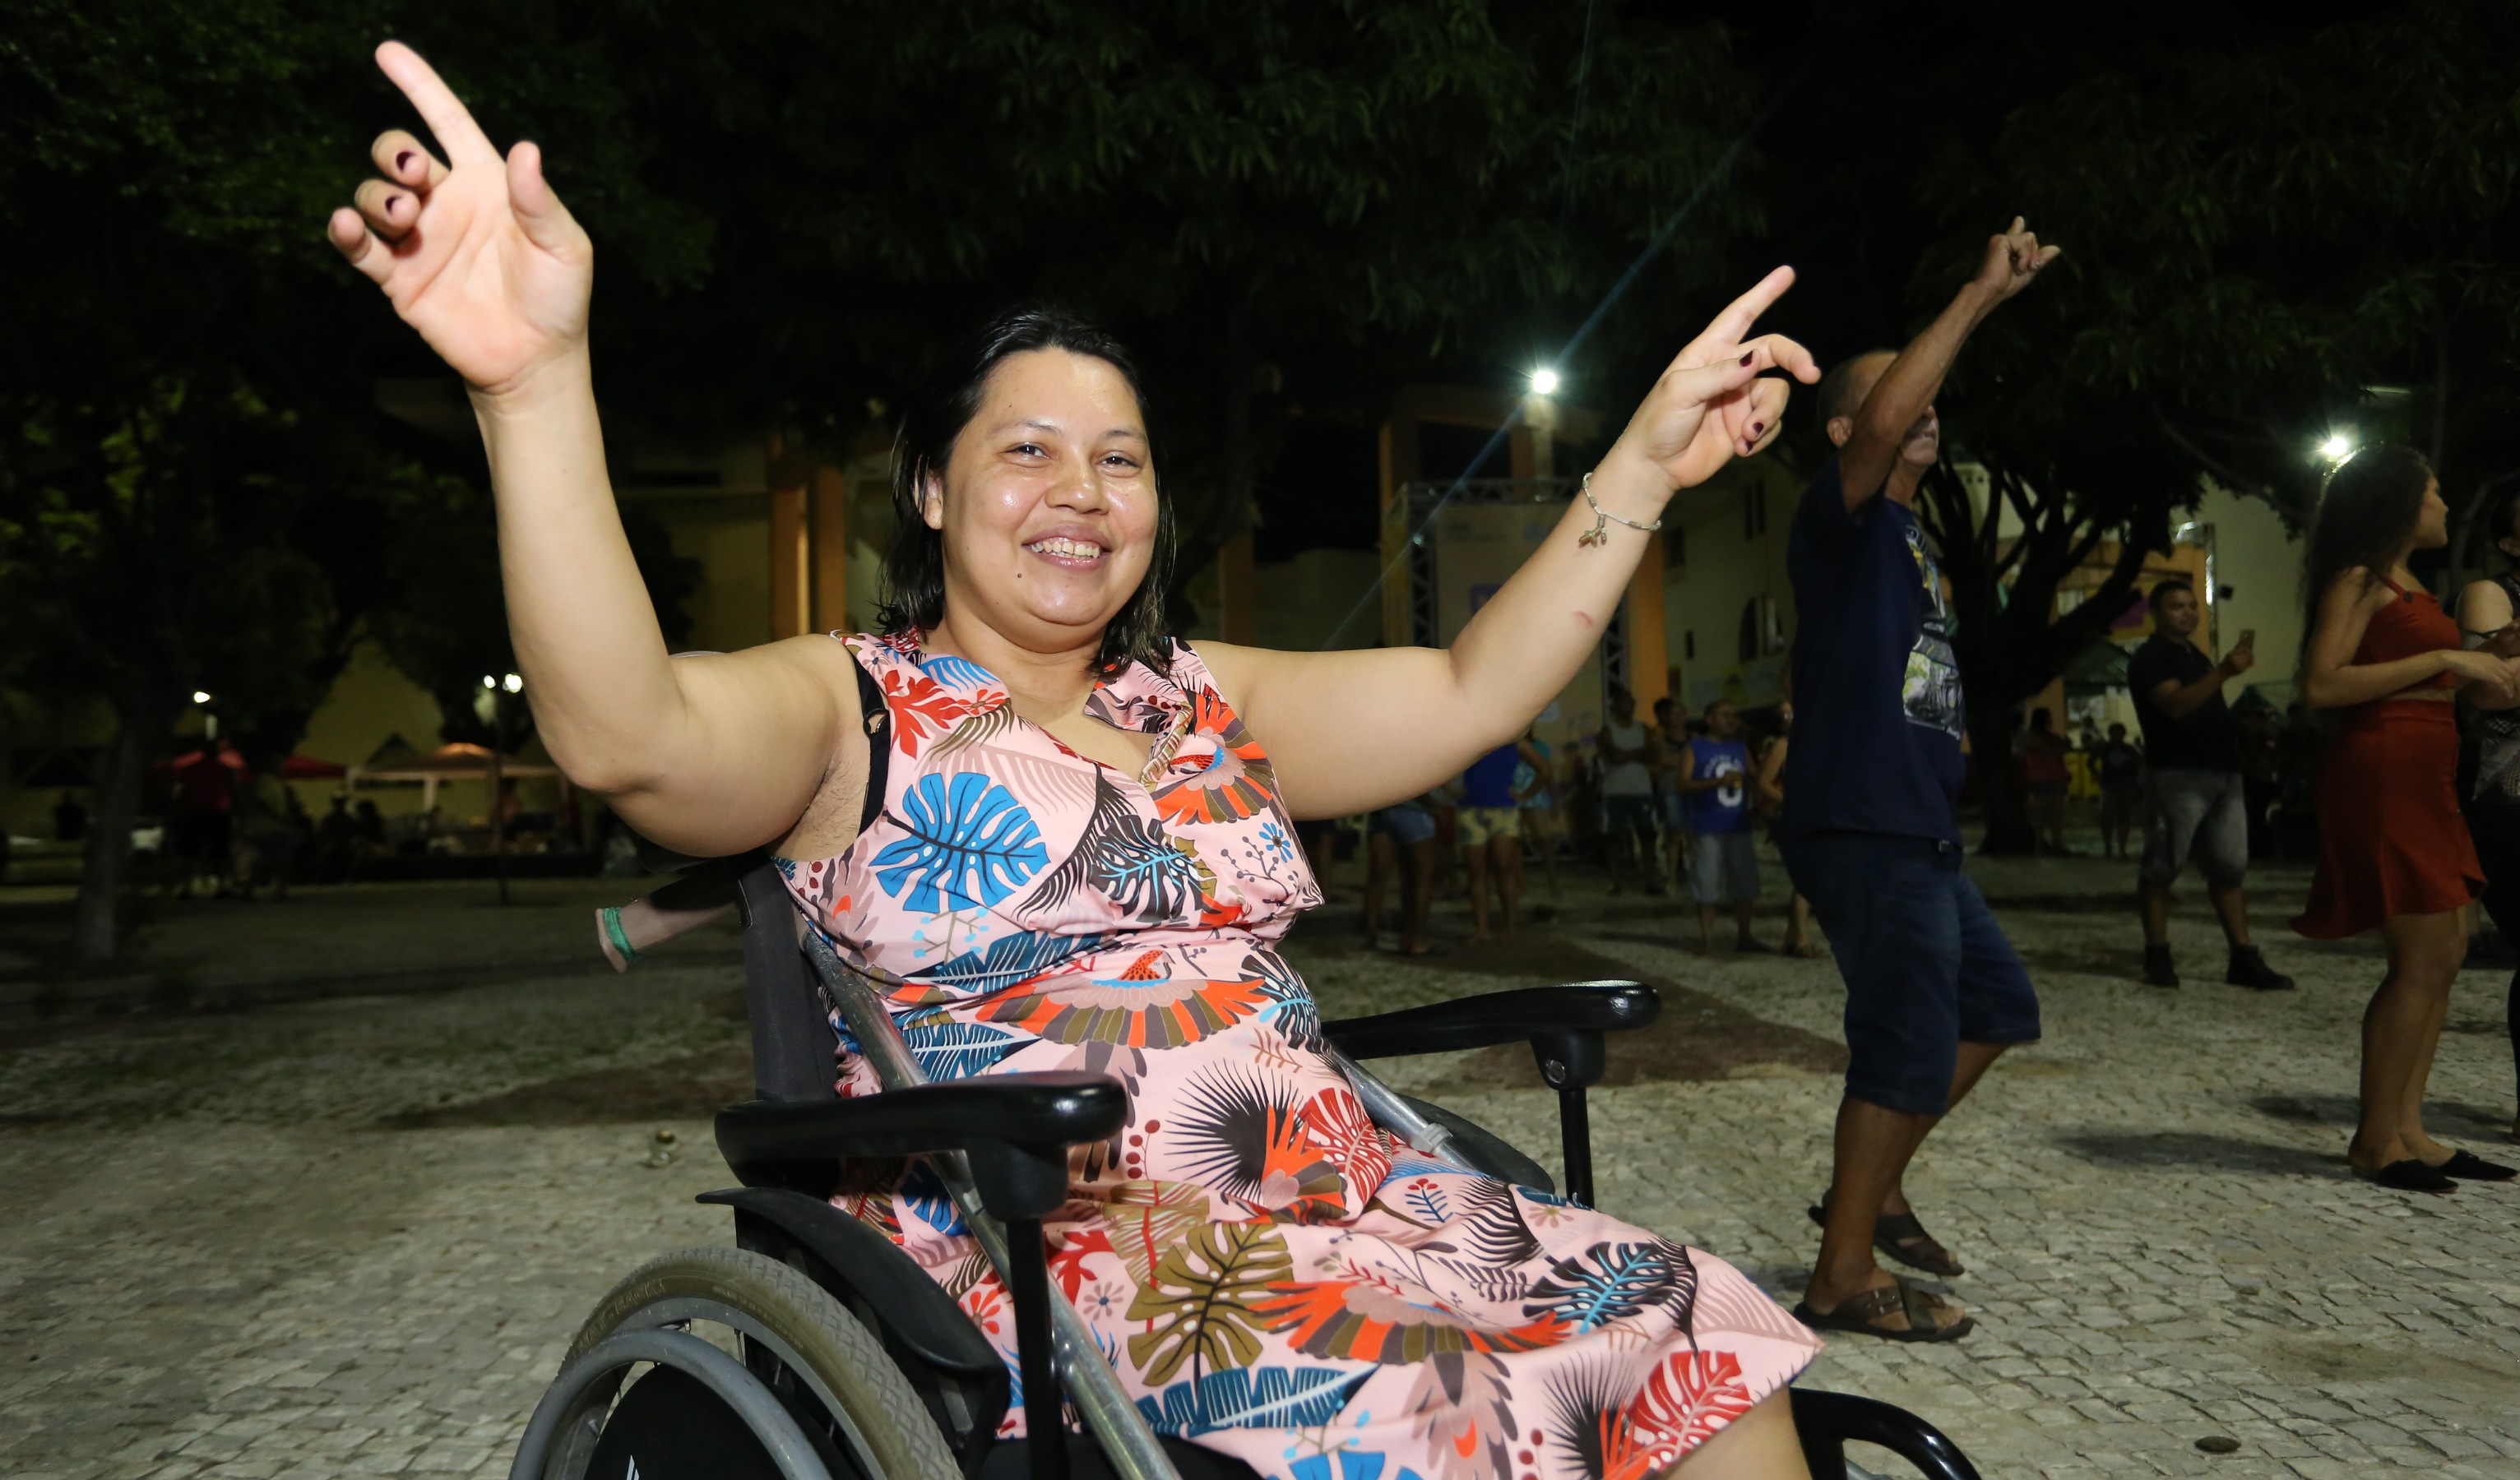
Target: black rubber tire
{"points": [[898, 1439]]}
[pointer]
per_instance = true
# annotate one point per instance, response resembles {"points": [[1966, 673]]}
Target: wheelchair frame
{"points": [[1000, 1144]]}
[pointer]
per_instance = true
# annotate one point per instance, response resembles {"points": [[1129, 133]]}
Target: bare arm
{"points": [[707, 755], [1915, 378], [1355, 730], [2180, 700], [2330, 679], [2485, 621], [1772, 771]]}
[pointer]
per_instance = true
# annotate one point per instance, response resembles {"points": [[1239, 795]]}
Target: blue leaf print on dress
{"points": [[970, 844], [1353, 1465], [1609, 1282], [1011, 958], [949, 1049], [934, 1206], [946, 668], [1269, 1397]]}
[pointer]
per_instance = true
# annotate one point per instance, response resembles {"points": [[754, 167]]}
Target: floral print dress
{"points": [[1274, 1278]]}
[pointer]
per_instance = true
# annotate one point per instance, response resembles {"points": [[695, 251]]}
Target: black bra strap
{"points": [[878, 731]]}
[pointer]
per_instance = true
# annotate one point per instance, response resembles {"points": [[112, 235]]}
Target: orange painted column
{"points": [[791, 544], [1648, 653], [830, 538]]}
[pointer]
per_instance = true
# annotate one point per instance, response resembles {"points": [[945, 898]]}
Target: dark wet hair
{"points": [[914, 567], [2161, 589], [2365, 517]]}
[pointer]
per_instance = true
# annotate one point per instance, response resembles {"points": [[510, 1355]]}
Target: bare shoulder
{"points": [[2483, 605], [2358, 589], [1238, 669]]}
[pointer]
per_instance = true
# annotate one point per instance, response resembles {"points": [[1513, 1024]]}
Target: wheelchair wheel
{"points": [[827, 1370]]}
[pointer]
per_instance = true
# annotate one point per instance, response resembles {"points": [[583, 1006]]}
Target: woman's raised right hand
{"points": [[476, 254]]}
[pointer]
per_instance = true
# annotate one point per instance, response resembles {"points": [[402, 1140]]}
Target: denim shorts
{"points": [[1723, 868], [2203, 815], [1406, 825], [1926, 966]]}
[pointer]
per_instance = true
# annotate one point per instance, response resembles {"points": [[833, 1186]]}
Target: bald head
{"points": [[1842, 390]]}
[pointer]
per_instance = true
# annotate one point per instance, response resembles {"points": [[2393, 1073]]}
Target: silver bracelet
{"points": [[1600, 533]]}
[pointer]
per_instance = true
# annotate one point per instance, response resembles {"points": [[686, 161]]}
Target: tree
{"points": [[181, 453], [1265, 198], [2316, 236], [2266, 244]]}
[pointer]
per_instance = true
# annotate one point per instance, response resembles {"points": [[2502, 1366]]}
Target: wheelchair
{"points": [[836, 1357]]}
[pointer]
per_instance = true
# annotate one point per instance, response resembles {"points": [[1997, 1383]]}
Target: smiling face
{"points": [[1048, 503]]}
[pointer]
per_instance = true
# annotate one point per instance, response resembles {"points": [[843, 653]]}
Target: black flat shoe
{"points": [[2412, 1176], [2467, 1166]]}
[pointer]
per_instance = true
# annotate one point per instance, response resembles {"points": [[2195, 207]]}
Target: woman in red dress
{"points": [[2394, 852]]}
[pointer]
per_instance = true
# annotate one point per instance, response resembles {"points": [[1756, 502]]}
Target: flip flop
{"points": [[2467, 1166], [2411, 1176], [1861, 1314]]}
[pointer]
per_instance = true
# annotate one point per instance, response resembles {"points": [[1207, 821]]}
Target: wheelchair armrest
{"points": [[1825, 1422], [1017, 1129], [1531, 1013]]}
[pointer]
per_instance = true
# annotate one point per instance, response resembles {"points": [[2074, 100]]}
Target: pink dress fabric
{"points": [[1276, 1278]]}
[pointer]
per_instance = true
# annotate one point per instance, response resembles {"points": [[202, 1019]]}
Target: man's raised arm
{"points": [[1905, 395]]}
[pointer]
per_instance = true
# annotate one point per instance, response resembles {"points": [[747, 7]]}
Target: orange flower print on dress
{"points": [[1218, 774]]}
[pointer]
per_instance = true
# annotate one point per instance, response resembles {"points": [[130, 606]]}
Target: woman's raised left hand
{"points": [[1713, 403]]}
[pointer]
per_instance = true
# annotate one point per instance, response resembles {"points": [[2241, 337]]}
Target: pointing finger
{"points": [[405, 161], [348, 233], [1773, 351], [1733, 325], [437, 104]]}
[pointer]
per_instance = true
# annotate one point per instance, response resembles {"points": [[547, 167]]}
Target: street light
{"points": [[488, 682], [2337, 445], [514, 683], [1544, 383], [201, 696]]}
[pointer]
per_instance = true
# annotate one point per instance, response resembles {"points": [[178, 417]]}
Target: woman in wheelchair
{"points": [[1081, 855]]}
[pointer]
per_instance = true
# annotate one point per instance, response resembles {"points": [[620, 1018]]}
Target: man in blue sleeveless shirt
{"points": [[1933, 990], [1714, 780]]}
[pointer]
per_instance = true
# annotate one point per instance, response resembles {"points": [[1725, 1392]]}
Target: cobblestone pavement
{"points": [[351, 1233]]}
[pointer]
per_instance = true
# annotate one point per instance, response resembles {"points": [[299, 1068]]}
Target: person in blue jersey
{"points": [[1491, 832], [1713, 777], [1934, 992]]}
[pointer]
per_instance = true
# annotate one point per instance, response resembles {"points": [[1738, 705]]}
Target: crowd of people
{"points": [[1672, 806]]}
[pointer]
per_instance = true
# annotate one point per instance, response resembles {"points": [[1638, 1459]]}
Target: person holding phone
{"points": [[2194, 803]]}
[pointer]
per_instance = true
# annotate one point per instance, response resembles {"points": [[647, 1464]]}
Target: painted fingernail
{"points": [[1757, 427], [402, 161], [1748, 358]]}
